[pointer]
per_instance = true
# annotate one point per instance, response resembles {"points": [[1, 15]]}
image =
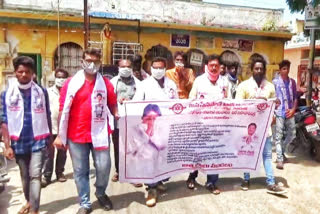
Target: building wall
{"points": [[44, 41], [173, 11], [272, 50], [38, 40]]}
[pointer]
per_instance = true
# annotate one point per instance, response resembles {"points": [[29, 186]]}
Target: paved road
{"points": [[301, 177]]}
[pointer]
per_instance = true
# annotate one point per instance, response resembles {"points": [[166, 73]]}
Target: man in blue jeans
{"points": [[286, 91], [26, 122], [210, 85], [86, 102], [257, 87]]}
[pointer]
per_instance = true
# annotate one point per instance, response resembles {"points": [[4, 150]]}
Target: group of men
{"points": [[77, 115]]}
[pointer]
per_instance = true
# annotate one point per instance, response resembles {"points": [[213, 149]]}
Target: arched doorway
{"points": [[70, 57], [196, 59], [228, 57], [157, 51]]}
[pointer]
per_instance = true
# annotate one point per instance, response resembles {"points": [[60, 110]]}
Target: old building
{"points": [[122, 28]]}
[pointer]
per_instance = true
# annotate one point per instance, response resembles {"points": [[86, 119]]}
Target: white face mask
{"points": [[179, 64], [59, 82], [158, 73], [125, 72], [25, 86], [90, 68]]}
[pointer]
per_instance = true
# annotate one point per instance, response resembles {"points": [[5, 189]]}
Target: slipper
{"points": [[214, 189], [191, 183], [25, 209]]}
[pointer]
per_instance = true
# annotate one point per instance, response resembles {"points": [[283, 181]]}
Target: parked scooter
{"points": [[3, 166], [307, 130]]}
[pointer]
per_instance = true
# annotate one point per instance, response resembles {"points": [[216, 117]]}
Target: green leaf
{"points": [[299, 5]]}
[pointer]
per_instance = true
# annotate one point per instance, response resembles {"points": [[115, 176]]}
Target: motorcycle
{"points": [[3, 166], [307, 130]]}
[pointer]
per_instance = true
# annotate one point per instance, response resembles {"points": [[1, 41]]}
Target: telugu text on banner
{"points": [[159, 139]]}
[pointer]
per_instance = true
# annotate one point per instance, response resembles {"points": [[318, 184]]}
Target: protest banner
{"points": [[159, 139]]}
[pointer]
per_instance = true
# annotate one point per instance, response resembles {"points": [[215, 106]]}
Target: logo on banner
{"points": [[177, 108], [262, 106]]}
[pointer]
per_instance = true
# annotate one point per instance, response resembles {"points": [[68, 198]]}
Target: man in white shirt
{"points": [[210, 85], [125, 86], [156, 87], [61, 76]]}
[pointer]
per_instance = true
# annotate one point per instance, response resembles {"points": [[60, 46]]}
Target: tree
{"points": [[299, 5]]}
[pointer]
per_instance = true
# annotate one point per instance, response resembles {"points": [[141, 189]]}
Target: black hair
{"points": [[252, 124], [99, 94], [178, 53], [214, 57], [128, 59], [137, 59], [25, 61], [284, 63], [159, 59], [260, 59], [149, 108], [61, 70], [92, 51]]}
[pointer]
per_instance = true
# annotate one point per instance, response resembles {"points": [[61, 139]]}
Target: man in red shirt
{"points": [[86, 101]]}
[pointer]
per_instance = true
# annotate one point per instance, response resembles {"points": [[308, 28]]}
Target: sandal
{"points": [[25, 209], [214, 189], [191, 183]]}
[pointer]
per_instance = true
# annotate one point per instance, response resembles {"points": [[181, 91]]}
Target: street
{"points": [[300, 177]]}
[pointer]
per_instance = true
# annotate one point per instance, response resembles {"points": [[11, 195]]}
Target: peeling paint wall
{"points": [[65, 5], [172, 11]]}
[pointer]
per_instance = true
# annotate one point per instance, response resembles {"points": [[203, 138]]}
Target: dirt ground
{"points": [[300, 177]]}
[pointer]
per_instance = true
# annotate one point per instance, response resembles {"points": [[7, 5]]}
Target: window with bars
{"points": [[124, 50], [70, 57]]}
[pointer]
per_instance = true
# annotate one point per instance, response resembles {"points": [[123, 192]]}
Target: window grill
{"points": [[124, 50], [70, 57]]}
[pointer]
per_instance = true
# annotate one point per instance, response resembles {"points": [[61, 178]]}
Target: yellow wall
{"points": [[272, 50], [300, 26], [44, 41]]}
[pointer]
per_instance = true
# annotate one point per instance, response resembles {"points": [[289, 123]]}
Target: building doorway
{"points": [[70, 57], [157, 51]]}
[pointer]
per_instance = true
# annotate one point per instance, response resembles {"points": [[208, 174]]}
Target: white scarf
{"points": [[100, 112], [15, 112]]}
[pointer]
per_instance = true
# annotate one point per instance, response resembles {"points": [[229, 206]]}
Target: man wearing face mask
{"points": [[183, 77], [257, 87], [125, 86], [61, 76], [156, 87], [85, 131], [26, 129], [209, 85]]}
